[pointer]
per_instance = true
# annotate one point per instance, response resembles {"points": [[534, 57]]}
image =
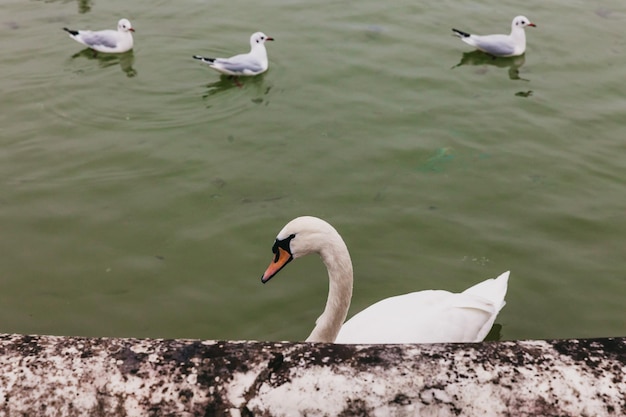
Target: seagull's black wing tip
{"points": [[460, 33], [204, 59]]}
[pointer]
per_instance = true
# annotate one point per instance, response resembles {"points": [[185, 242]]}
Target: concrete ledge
{"points": [[75, 376]]}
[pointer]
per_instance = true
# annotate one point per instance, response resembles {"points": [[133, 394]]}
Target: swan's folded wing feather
{"points": [[433, 316], [493, 289]]}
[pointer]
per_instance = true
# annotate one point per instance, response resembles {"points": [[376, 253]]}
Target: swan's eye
{"points": [[282, 244]]}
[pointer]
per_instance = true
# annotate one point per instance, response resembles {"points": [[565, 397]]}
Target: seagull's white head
{"points": [[259, 38], [521, 22], [124, 26]]}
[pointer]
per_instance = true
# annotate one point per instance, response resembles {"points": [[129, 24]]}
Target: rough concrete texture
{"points": [[72, 376]]}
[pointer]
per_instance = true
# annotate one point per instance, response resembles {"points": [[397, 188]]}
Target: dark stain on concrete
{"points": [[172, 376]]}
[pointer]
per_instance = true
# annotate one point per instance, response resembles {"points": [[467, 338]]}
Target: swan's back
{"points": [[432, 316]]}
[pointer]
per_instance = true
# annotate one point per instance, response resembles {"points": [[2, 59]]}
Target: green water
{"points": [[141, 194]]}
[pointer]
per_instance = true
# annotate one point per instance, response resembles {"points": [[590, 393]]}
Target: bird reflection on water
{"points": [[480, 58], [125, 60], [227, 82]]}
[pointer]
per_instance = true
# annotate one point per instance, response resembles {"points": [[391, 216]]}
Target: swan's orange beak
{"points": [[282, 258]]}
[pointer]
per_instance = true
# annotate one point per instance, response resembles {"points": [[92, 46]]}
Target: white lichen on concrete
{"points": [[58, 376]]}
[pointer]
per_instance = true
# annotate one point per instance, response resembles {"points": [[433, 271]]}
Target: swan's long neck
{"points": [[337, 260]]}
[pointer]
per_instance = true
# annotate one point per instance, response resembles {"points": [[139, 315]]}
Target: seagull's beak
{"points": [[269, 38], [132, 30], [281, 259], [532, 24]]}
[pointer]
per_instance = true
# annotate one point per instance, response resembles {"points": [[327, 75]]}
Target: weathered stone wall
{"points": [[72, 376]]}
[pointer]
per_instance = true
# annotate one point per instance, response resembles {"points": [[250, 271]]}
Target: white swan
{"points": [[420, 317]]}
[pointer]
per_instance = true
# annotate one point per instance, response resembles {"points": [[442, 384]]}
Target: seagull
{"points": [[109, 41], [253, 63], [500, 45]]}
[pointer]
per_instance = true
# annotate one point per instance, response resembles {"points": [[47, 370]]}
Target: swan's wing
{"points": [[424, 317], [493, 289], [493, 292]]}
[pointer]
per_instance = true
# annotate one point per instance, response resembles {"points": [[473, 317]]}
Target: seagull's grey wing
{"points": [[103, 38], [239, 65], [499, 45]]}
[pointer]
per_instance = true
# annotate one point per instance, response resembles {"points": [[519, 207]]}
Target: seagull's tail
{"points": [[71, 32], [204, 59], [460, 33]]}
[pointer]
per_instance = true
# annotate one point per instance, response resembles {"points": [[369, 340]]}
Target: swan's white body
{"points": [[109, 41], [254, 62], [500, 45], [420, 317]]}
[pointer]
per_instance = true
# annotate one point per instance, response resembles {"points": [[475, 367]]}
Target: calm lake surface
{"points": [[141, 193]]}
